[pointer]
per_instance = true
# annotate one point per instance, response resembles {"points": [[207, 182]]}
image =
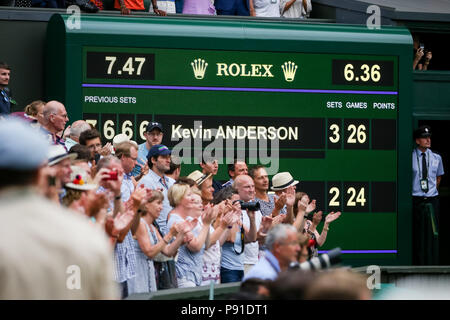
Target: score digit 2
{"points": [[354, 195]]}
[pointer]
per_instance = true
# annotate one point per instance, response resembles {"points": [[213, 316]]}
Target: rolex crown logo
{"points": [[289, 70], [199, 66]]}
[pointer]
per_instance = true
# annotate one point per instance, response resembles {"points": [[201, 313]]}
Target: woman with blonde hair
{"points": [[219, 230], [35, 110], [190, 255]]}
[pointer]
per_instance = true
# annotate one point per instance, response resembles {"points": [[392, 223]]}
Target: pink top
{"points": [[198, 7]]}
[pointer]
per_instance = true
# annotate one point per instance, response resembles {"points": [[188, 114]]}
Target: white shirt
{"points": [[267, 8]]}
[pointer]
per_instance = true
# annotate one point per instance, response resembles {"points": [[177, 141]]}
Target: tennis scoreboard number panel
{"points": [[333, 118]]}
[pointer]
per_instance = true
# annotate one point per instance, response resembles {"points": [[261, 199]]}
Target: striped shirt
{"points": [[124, 255], [53, 139]]}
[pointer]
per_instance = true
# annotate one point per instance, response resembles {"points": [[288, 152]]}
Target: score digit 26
{"points": [[353, 132]]}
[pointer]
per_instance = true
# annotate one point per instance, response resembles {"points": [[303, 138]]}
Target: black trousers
{"points": [[425, 231]]}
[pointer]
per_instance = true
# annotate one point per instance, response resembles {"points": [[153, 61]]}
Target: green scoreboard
{"points": [[328, 103]]}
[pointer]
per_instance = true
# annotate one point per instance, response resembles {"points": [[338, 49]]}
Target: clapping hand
{"points": [[311, 206], [228, 219], [280, 201], [139, 196], [332, 216], [301, 206], [290, 197], [182, 227], [209, 214], [106, 150], [278, 219], [266, 223], [93, 203]]}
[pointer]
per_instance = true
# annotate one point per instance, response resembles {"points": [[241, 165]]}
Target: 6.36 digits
{"points": [[363, 72]]}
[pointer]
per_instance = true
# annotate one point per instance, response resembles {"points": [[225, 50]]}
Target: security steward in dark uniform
{"points": [[427, 172]]}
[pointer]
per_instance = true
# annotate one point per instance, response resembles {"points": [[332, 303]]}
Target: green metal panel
{"points": [[94, 71]]}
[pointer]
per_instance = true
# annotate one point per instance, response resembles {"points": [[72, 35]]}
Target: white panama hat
{"points": [[57, 153], [282, 180]]}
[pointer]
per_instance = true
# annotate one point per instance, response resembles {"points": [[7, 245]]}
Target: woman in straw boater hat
{"points": [[81, 196]]}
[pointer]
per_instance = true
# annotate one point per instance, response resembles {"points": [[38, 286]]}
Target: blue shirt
{"points": [[267, 207], [267, 268], [152, 181], [229, 259], [124, 255], [189, 264], [127, 187], [435, 169], [69, 143], [124, 259]]}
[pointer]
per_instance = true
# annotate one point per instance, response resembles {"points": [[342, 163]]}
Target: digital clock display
{"points": [[363, 72], [119, 65]]}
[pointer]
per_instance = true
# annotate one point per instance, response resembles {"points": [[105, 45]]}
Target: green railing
{"points": [[213, 292]]}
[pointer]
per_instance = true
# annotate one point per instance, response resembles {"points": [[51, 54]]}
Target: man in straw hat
{"points": [[284, 186], [59, 163]]}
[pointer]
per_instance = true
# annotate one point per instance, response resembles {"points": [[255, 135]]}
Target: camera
{"points": [[321, 262], [112, 175], [422, 46], [250, 206]]}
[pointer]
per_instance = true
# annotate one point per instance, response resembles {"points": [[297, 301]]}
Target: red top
{"points": [[131, 4]]}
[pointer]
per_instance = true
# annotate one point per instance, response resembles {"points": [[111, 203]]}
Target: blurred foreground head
{"points": [[23, 150]]}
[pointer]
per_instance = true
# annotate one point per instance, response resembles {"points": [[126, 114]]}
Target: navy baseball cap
{"points": [[158, 150], [154, 125]]}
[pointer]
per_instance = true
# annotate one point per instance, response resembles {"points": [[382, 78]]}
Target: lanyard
{"points": [[242, 238], [271, 264], [163, 182], [418, 165]]}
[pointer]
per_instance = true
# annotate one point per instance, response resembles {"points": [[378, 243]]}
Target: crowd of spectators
{"points": [[163, 232], [297, 9]]}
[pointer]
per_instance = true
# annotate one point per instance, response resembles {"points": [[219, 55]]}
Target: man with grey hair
{"points": [[282, 248], [75, 130], [55, 117]]}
